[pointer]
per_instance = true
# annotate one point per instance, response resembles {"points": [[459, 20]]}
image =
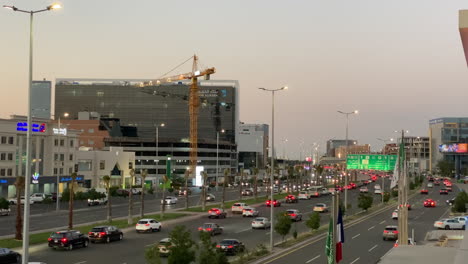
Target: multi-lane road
{"points": [[131, 249], [363, 240]]}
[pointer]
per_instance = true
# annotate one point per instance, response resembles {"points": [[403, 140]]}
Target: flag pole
{"points": [[336, 202]]}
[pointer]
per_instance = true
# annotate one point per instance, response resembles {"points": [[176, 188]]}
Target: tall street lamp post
{"points": [[57, 200], [217, 156], [346, 156], [272, 168], [28, 133], [157, 147]]}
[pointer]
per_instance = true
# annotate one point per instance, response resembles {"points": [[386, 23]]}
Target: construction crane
{"points": [[193, 101]]}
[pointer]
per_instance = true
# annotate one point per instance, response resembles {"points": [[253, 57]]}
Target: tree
{"points": [[4, 204], [314, 221], [19, 184], [187, 174], [365, 201], [203, 197], [130, 198], [445, 167], [460, 202], [70, 202], [290, 176], [319, 170], [283, 224], [152, 255], [386, 197], [226, 174], [207, 253], [255, 172], [143, 175], [106, 179], [182, 251]]}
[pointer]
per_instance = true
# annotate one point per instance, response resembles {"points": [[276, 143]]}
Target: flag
{"points": [[329, 245], [399, 165], [339, 237]]}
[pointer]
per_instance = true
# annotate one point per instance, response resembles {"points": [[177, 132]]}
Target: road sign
{"points": [[371, 162]]}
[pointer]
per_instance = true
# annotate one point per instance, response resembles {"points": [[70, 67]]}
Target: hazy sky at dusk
{"points": [[399, 62]]}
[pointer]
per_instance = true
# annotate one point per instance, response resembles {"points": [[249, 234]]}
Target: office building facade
{"points": [[253, 145], [333, 144]]}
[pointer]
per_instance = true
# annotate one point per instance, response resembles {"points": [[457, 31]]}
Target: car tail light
{"points": [[293, 215], [243, 211], [396, 245], [432, 203], [385, 231], [230, 246], [147, 224], [209, 229], [102, 234], [218, 246], [209, 211], [200, 229], [90, 233], [395, 232], [64, 240], [49, 239]]}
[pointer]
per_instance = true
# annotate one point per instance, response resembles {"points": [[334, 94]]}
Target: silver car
{"points": [[261, 222]]}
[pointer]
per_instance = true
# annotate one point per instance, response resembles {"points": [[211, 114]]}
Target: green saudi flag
{"points": [[329, 248]]}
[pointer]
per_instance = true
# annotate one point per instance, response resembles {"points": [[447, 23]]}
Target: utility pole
{"points": [[402, 194]]}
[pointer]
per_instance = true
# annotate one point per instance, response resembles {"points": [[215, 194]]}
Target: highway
{"points": [[363, 240]]}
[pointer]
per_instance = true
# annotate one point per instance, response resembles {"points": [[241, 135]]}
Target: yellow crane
{"points": [[193, 101]]}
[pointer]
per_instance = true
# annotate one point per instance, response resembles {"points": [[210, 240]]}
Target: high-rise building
{"points": [[340, 151], [333, 144], [253, 145], [416, 152], [41, 97]]}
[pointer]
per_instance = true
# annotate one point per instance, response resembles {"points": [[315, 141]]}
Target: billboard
{"points": [[454, 148], [371, 162]]}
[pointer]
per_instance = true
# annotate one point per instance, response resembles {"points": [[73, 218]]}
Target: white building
{"points": [[53, 154], [252, 145], [95, 164]]}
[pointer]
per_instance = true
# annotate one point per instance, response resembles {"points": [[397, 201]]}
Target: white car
{"points": [[363, 190], [395, 214], [449, 224], [430, 185], [377, 191], [170, 200], [238, 208], [261, 222], [148, 225], [321, 208], [303, 195], [97, 201], [13, 200], [5, 211], [38, 197], [377, 187], [324, 191], [250, 211]]}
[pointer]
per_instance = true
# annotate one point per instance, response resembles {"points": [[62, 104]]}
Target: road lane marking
{"points": [[354, 261], [372, 227], [372, 248], [355, 236], [382, 222], [310, 260], [247, 229]]}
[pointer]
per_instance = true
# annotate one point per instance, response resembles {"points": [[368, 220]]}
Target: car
{"points": [[424, 191], [429, 203], [5, 212], [164, 247], [448, 188], [437, 183], [148, 225], [430, 179], [325, 191], [448, 183], [170, 200], [430, 185], [68, 240], [291, 199], [411, 242], [461, 219], [261, 222], [364, 190], [321, 208], [332, 190], [353, 185], [303, 195], [22, 200], [210, 197], [339, 188], [216, 213], [238, 207], [378, 191], [105, 234], [97, 201], [315, 192], [8, 256], [211, 228], [395, 214], [275, 203], [443, 191], [247, 192], [38, 197], [230, 246], [294, 214], [182, 192], [54, 196], [377, 186], [390, 232], [249, 211], [448, 224], [450, 201]]}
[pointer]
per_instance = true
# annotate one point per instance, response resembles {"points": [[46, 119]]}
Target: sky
{"points": [[400, 63]]}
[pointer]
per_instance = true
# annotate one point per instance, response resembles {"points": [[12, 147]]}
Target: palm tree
{"points": [[205, 177], [143, 175], [255, 172], [70, 202], [130, 196], [106, 180], [319, 170], [226, 173], [19, 184], [187, 174]]}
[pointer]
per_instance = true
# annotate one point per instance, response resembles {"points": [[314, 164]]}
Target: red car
{"points": [[339, 188], [291, 199], [275, 203], [429, 203], [424, 191], [353, 185]]}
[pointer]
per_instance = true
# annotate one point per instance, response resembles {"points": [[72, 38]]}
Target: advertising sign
{"points": [[454, 148], [371, 162]]}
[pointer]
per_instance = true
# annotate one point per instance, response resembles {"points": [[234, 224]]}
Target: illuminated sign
{"points": [[309, 159], [3, 181], [61, 131], [454, 148], [35, 177], [198, 176], [69, 179], [23, 126], [371, 162]]}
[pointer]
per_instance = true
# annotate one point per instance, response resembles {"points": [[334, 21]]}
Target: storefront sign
{"points": [[3, 181], [23, 126], [35, 177], [61, 131], [69, 179]]}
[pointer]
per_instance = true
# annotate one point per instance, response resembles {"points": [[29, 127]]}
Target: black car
{"points": [[231, 246], [68, 240], [105, 234], [450, 201], [9, 257]]}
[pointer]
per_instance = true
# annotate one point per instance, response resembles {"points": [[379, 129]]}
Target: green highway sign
{"points": [[371, 162]]}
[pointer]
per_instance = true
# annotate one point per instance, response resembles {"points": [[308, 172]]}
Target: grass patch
{"points": [[40, 238]]}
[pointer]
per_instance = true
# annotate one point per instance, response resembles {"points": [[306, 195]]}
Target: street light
{"points": [[346, 155], [217, 156], [157, 147], [57, 200], [272, 168], [28, 133]]}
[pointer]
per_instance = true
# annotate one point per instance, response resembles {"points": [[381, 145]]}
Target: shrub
{"points": [[386, 197], [4, 204], [81, 196], [314, 221], [394, 193], [365, 201], [113, 191], [283, 224], [47, 200], [460, 202]]}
